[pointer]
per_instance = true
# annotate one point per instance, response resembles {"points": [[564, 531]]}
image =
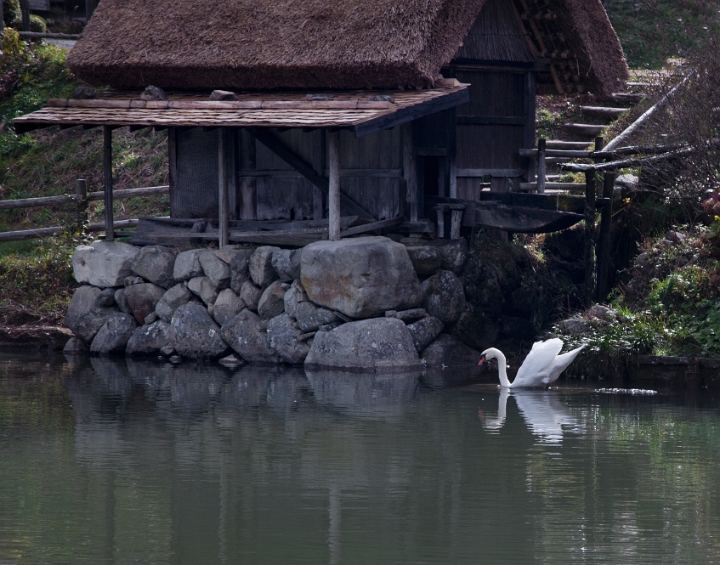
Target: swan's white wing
{"points": [[561, 363], [538, 362]]}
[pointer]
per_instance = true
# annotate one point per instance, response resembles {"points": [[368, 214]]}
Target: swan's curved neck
{"points": [[502, 369]]}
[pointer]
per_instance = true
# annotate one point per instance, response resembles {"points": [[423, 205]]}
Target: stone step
{"points": [[626, 98], [589, 130], [605, 112], [570, 145]]}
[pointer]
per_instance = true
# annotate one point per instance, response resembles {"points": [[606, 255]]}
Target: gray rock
{"points": [[227, 306], [602, 314], [425, 331], [283, 336], [85, 316], [204, 289], [426, 259], [155, 263], [239, 269], [375, 344], [246, 333], [310, 317], [231, 361], [104, 263], [107, 297], [132, 279], [215, 269], [120, 300], [75, 346], [187, 265], [444, 296], [286, 263], [574, 326], [261, 269], [454, 255], [194, 334], [172, 300], [449, 351], [360, 277], [114, 335], [151, 318], [142, 299], [294, 296], [410, 316], [272, 301], [150, 340], [629, 182], [250, 295]]}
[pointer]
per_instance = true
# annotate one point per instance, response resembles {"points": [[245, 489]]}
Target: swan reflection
{"points": [[545, 416]]}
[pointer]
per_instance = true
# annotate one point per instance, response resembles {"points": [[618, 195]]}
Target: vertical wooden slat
{"points": [[333, 150], [223, 212], [541, 170], [248, 185], [530, 125], [590, 197], [410, 172], [108, 183], [172, 167]]}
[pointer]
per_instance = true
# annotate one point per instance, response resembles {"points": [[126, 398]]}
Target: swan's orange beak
{"points": [[482, 361]]}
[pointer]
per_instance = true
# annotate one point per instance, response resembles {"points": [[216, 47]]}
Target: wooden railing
{"points": [[80, 200]]}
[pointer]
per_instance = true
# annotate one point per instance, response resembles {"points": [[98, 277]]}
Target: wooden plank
{"points": [[573, 154], [333, 149], [108, 183], [603, 111], [55, 230], [524, 220], [223, 197], [372, 226], [492, 120], [552, 185], [40, 202], [479, 173], [577, 145], [410, 173]]}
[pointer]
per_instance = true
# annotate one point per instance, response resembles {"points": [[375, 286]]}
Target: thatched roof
{"points": [[314, 44]]}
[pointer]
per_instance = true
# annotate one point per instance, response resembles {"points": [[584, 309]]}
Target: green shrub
{"points": [[37, 24], [12, 16]]}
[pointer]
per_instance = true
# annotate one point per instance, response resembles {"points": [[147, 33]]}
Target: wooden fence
{"points": [[80, 200]]}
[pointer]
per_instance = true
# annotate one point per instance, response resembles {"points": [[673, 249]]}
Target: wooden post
{"points": [[333, 150], [440, 208], [223, 200], [25, 12], [410, 173], [81, 201], [2, 16], [108, 184], [541, 170], [590, 197], [603, 268]]}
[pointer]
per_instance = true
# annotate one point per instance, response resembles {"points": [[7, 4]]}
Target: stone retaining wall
{"points": [[354, 304]]}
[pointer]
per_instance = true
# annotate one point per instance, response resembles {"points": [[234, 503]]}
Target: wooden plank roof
{"points": [[360, 111]]}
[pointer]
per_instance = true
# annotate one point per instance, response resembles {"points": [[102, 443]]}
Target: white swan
{"points": [[541, 367]]}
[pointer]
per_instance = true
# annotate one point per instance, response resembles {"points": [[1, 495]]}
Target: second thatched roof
{"points": [[314, 44]]}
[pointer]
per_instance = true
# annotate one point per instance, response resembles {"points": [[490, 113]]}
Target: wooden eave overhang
{"points": [[358, 111]]}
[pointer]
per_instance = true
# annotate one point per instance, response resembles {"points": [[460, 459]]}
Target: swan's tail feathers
{"points": [[561, 363]]}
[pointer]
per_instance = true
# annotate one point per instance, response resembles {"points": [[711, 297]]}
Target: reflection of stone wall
{"points": [[356, 303]]}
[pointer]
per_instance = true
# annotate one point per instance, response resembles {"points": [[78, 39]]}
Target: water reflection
{"points": [[109, 461], [543, 412]]}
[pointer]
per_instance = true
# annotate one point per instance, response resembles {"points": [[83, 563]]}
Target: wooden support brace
{"points": [[108, 183]]}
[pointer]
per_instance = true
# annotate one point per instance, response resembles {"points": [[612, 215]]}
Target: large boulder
{"points": [[104, 263], [454, 255], [310, 317], [227, 306], [142, 299], [114, 335], [449, 351], [172, 300], [424, 331], [286, 263], [85, 316], [239, 269], [444, 296], [153, 339], [194, 333], [204, 289], [155, 263], [375, 344], [293, 297], [361, 277], [215, 269], [475, 328], [250, 295], [283, 334], [246, 333], [261, 269], [272, 301], [426, 259], [187, 265]]}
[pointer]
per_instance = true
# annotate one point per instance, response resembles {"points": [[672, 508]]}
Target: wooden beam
{"points": [[276, 145], [410, 172], [372, 226], [108, 183], [541, 170], [333, 151], [223, 200]]}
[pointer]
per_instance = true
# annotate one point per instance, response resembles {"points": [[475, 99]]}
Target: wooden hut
{"points": [[377, 103]]}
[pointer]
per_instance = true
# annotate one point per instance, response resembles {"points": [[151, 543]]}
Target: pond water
{"points": [[108, 461]]}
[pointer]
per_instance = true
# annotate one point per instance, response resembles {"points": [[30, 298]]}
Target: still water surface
{"points": [[106, 461]]}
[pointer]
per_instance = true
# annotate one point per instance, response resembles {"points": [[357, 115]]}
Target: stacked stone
{"points": [[357, 303]]}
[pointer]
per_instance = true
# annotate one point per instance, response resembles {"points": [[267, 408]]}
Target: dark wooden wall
{"points": [[371, 174]]}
